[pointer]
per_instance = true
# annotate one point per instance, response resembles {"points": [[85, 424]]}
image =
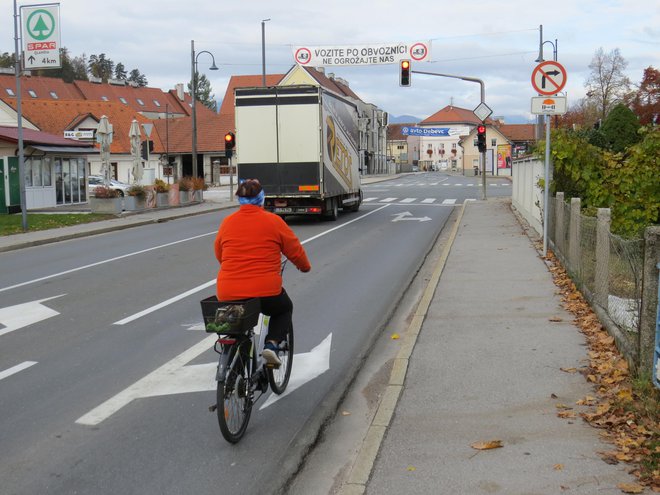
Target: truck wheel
{"points": [[356, 206], [331, 210]]}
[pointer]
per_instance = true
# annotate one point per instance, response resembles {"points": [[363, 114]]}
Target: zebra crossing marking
{"points": [[408, 200], [449, 202], [429, 200]]}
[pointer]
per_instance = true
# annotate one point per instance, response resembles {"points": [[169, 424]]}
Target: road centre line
{"points": [[16, 369], [110, 260], [205, 285]]}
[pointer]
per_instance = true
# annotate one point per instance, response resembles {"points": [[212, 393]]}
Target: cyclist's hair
{"points": [[248, 188]]}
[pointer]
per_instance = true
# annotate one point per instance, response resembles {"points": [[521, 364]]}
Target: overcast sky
{"points": [[494, 41]]}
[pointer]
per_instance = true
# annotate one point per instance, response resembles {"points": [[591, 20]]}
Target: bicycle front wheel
{"points": [[234, 400], [279, 378]]}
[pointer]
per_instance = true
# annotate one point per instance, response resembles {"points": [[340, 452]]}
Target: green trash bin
{"points": [[13, 195]]}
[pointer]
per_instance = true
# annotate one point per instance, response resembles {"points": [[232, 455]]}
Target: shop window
{"points": [[47, 171]]}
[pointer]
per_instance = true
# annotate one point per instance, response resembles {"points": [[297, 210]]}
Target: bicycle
{"points": [[242, 372]]}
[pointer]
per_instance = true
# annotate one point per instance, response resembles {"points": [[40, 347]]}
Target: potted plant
{"points": [[185, 190], [105, 200], [199, 185], [136, 198], [162, 193]]}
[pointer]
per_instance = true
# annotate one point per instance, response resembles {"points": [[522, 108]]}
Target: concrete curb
{"points": [[360, 472]]}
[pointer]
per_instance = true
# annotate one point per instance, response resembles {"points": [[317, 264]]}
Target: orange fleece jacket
{"points": [[248, 246]]}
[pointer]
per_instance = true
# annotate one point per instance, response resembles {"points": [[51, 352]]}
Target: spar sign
{"points": [[41, 36], [372, 54]]}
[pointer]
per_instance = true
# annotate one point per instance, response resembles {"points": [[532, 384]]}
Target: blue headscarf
{"points": [[257, 200]]}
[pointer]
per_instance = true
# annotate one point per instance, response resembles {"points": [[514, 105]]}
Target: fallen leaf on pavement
{"points": [[630, 488], [492, 444], [395, 336], [569, 370], [411, 468], [345, 413], [558, 467]]}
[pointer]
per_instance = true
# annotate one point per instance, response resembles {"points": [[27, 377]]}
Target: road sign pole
{"points": [[546, 186]]}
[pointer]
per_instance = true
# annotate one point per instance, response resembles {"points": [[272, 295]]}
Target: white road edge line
{"points": [[16, 369], [91, 265], [174, 299]]}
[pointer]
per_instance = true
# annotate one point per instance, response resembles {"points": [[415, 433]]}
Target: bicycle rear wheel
{"points": [[234, 399], [279, 378]]}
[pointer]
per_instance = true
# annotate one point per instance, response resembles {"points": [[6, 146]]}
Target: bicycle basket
{"points": [[230, 317]]}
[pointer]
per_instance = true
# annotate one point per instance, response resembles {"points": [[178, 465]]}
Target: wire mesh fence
{"points": [[606, 267]]}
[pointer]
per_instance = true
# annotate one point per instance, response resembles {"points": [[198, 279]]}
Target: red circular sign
{"points": [[418, 51], [549, 78], [303, 56]]}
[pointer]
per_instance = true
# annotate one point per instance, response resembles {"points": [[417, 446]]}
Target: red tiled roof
{"points": [[41, 86], [176, 134], [57, 116], [394, 131], [31, 136], [453, 115], [517, 132], [332, 84], [153, 99]]}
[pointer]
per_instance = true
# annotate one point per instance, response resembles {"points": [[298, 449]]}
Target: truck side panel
{"points": [[340, 138]]}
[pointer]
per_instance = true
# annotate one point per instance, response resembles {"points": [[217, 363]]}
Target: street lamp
{"points": [[540, 59], [193, 84], [263, 52]]}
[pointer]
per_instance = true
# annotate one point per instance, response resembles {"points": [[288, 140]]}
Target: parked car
{"points": [[94, 181]]}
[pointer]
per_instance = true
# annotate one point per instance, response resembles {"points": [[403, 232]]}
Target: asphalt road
{"points": [[106, 375]]}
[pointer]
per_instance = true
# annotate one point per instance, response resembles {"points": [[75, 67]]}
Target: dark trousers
{"points": [[280, 310]]}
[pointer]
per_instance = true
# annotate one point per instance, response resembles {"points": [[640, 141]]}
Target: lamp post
{"points": [[193, 88], [263, 52]]}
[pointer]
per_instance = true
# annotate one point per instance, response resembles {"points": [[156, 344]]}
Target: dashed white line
{"points": [[16, 369]]}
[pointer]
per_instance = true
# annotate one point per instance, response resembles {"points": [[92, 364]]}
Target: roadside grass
{"points": [[13, 224]]}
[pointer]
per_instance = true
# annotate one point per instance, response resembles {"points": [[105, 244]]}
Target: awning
{"points": [[65, 149]]}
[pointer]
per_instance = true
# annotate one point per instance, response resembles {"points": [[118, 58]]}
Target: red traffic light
{"points": [[481, 129], [404, 73], [230, 140]]}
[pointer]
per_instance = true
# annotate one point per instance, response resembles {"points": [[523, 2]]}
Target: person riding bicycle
{"points": [[249, 245]]}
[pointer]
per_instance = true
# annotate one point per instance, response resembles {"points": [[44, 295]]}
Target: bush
{"points": [[160, 186], [185, 184], [199, 184], [137, 191], [104, 192]]}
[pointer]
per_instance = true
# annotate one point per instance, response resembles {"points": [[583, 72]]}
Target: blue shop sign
{"points": [[425, 131]]}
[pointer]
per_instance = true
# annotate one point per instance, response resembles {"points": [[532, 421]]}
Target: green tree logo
{"points": [[38, 27]]}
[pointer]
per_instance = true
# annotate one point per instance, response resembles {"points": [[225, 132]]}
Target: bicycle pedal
{"points": [[272, 366]]}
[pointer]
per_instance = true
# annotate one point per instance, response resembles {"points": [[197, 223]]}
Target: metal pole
{"points": [[19, 123], [546, 188], [193, 83], [231, 180], [263, 54]]}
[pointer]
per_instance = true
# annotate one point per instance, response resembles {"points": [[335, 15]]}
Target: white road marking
{"points": [[406, 215], [21, 315], [110, 260], [408, 200], [387, 200], [366, 200], [449, 202], [429, 200], [143, 387], [174, 377], [306, 367], [16, 369]]}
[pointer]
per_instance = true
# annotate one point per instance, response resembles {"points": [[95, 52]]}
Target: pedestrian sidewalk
{"points": [[486, 365]]}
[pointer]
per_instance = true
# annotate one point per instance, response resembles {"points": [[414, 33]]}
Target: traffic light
{"points": [[146, 147], [230, 142], [481, 138], [404, 74]]}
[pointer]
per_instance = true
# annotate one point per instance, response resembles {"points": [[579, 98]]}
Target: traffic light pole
{"points": [[483, 100]]}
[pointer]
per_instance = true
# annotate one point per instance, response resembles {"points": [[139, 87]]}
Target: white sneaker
{"points": [[271, 358]]}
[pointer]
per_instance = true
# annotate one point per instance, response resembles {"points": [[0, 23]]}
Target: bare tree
{"points": [[607, 85]]}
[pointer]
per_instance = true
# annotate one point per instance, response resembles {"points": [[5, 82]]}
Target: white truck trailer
{"points": [[301, 142]]}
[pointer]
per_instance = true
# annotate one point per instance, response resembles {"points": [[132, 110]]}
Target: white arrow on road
{"points": [[306, 367], [406, 215], [176, 378], [21, 315]]}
